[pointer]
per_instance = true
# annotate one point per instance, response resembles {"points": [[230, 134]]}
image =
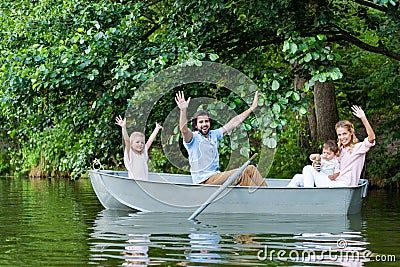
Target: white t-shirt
{"points": [[329, 167], [137, 164]]}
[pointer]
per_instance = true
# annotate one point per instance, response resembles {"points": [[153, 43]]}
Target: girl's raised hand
{"points": [[120, 121], [158, 126]]}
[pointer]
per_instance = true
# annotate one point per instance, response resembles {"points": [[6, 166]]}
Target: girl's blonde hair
{"points": [[135, 135], [350, 127]]}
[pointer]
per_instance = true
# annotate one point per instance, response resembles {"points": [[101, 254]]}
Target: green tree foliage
{"points": [[67, 68], [64, 78]]}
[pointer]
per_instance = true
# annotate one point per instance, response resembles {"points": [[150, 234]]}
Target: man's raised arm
{"points": [[238, 119], [183, 105]]}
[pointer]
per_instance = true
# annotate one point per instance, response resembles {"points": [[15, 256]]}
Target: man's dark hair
{"points": [[196, 115]]}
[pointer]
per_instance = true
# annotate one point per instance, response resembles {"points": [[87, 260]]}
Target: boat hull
{"points": [[176, 193], [105, 198]]}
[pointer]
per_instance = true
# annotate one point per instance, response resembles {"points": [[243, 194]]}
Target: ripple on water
{"points": [[151, 238]]}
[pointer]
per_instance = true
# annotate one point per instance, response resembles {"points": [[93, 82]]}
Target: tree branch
{"points": [[153, 3], [243, 41], [371, 5], [357, 42], [150, 32]]}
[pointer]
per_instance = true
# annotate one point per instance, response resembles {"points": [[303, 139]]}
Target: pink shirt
{"points": [[351, 164], [137, 164]]}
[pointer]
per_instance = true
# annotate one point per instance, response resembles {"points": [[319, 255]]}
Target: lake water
{"points": [[52, 222]]}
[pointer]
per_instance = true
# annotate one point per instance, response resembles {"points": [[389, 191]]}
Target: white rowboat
{"points": [[164, 192]]}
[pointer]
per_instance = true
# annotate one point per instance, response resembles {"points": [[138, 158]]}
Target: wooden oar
{"points": [[228, 182]]}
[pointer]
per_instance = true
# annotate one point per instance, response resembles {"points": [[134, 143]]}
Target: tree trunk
{"points": [[326, 114], [322, 114]]}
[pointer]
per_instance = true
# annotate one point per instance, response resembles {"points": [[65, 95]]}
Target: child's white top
{"points": [[330, 167], [137, 164]]}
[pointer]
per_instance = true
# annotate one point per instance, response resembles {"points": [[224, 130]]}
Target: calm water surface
{"points": [[51, 222]]}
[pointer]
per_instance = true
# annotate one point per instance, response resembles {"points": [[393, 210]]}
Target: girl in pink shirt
{"points": [[351, 158]]}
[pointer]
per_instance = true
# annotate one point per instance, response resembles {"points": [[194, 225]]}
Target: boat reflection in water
{"points": [[142, 239]]}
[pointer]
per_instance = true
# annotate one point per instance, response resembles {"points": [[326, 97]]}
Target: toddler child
{"points": [[326, 163]]}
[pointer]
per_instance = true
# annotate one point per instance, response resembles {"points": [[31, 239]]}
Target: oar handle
{"points": [[253, 157], [228, 182]]}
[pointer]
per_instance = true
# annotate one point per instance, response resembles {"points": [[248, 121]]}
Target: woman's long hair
{"points": [[350, 127]]}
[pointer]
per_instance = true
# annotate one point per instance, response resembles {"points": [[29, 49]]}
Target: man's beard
{"points": [[204, 131]]}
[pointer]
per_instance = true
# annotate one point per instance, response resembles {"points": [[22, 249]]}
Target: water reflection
{"points": [[135, 253], [56, 222], [142, 239], [204, 248]]}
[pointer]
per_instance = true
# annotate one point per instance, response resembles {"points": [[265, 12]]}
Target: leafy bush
{"points": [[291, 152]]}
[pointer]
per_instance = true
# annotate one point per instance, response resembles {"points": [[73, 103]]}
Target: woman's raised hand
{"points": [[357, 111]]}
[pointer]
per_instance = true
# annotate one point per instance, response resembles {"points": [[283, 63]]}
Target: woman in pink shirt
{"points": [[351, 157]]}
